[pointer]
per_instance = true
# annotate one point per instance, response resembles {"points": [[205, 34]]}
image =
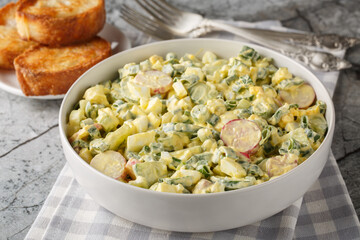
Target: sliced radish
{"points": [[244, 156], [303, 96], [157, 81], [242, 135], [129, 167], [111, 164]]}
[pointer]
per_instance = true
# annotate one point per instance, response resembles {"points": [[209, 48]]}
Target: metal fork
{"points": [[321, 61], [182, 22]]}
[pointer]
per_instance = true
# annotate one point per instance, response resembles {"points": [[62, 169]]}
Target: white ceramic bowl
{"points": [[194, 212]]}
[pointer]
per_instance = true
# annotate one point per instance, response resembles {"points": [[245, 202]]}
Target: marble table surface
{"points": [[30, 151]]}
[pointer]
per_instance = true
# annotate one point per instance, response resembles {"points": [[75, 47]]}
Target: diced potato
{"points": [[185, 103], [158, 65], [97, 95], [166, 158], [205, 186], [107, 119], [155, 58], [141, 123], [85, 154], [154, 120], [281, 74], [195, 71], [208, 57], [110, 163], [138, 91], [253, 74], [217, 171], [278, 165], [187, 178], [137, 111], [144, 103], [216, 106], [166, 118], [230, 167], [180, 90], [165, 187], [137, 141], [154, 106], [147, 173], [209, 145], [75, 117], [204, 133], [185, 154], [114, 139]]}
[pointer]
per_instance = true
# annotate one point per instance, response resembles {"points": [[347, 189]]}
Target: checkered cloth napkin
{"points": [[324, 212]]}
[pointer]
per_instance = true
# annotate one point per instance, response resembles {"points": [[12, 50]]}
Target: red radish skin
{"points": [[158, 82], [244, 156], [303, 96], [242, 135], [129, 167]]}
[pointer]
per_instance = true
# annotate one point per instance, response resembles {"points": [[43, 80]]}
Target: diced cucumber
{"points": [[246, 80], [91, 110], [289, 83], [204, 158], [172, 142], [170, 56], [94, 132], [231, 79], [150, 171], [318, 124], [262, 73], [107, 119], [249, 53], [180, 127], [133, 70], [168, 69], [222, 152], [199, 93], [232, 184], [98, 146], [213, 119], [200, 113], [78, 143]]}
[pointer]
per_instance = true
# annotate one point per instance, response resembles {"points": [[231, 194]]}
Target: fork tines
{"points": [[143, 23]]}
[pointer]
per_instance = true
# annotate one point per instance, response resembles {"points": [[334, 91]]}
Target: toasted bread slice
{"points": [[44, 70], [11, 46], [7, 15], [59, 22], [10, 43]]}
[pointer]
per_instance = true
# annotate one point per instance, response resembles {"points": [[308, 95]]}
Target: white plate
{"points": [[119, 42]]}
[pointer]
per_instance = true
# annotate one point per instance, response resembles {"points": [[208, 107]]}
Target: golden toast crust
{"points": [[7, 14], [46, 28], [11, 46], [45, 70]]}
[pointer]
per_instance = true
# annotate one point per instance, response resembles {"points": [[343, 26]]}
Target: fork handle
{"points": [[322, 61], [328, 42]]}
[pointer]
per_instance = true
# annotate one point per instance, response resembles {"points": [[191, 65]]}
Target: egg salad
{"points": [[198, 124]]}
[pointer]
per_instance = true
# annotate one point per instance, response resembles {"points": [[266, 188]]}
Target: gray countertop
{"points": [[30, 151]]}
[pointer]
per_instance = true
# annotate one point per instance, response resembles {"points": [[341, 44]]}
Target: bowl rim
{"points": [[328, 137]]}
